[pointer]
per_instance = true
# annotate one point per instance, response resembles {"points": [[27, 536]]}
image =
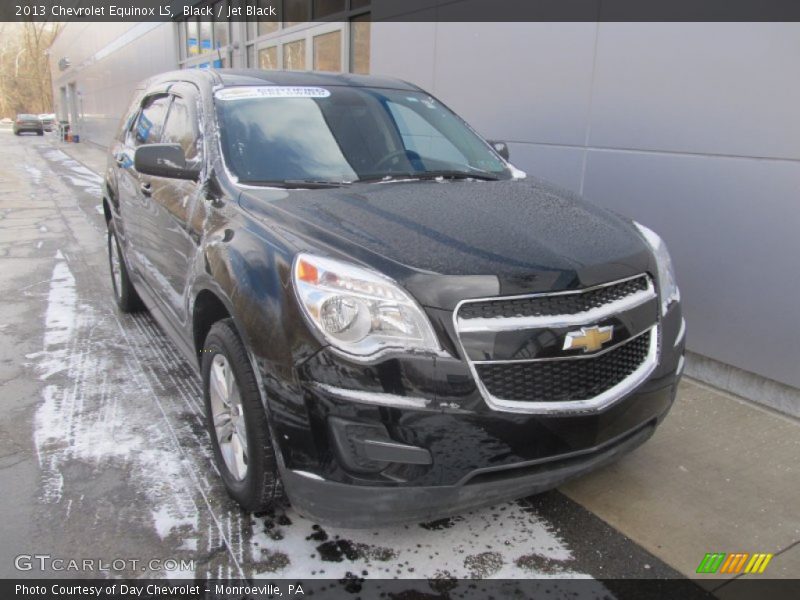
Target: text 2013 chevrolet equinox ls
{"points": [[386, 314]]}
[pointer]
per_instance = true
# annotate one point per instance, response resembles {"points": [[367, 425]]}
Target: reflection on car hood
{"points": [[516, 236]]}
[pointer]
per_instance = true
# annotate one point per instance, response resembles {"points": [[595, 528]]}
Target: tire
{"points": [[40, 133], [125, 295], [224, 359]]}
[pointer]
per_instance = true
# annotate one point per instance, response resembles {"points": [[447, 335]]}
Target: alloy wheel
{"points": [[228, 416]]}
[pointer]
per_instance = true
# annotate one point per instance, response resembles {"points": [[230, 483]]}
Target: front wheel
{"points": [[124, 293], [237, 421]]}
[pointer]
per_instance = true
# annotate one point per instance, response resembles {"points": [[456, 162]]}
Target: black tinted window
{"points": [[181, 128], [151, 120]]}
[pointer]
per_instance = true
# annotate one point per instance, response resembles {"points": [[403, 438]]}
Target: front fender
{"points": [[251, 275], [253, 279]]}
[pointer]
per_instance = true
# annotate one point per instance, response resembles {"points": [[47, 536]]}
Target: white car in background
{"points": [[48, 121]]}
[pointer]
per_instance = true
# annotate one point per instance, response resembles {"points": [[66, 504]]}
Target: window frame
{"points": [[190, 95], [244, 42], [130, 134], [308, 30], [223, 54], [278, 54], [344, 46]]}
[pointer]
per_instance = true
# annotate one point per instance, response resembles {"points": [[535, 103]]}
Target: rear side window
{"points": [[151, 120], [182, 128]]}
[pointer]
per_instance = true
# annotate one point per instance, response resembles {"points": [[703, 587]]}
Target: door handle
{"points": [[146, 188]]}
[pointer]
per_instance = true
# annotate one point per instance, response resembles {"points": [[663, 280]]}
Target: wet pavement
{"points": [[103, 451]]}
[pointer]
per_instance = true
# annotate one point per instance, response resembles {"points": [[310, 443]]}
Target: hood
{"points": [[450, 240]]}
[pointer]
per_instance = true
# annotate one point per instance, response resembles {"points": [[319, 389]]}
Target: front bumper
{"points": [[345, 505], [423, 406]]}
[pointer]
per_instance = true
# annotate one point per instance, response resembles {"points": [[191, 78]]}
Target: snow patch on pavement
{"points": [[60, 320], [36, 174], [166, 522], [81, 419], [493, 542], [75, 173]]}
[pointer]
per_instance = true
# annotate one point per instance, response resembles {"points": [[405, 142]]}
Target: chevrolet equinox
{"points": [[389, 319]]}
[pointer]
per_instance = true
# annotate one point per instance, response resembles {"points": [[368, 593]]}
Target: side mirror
{"points": [[164, 160], [501, 148]]}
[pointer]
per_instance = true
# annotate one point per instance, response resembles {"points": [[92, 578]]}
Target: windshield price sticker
{"points": [[243, 93]]}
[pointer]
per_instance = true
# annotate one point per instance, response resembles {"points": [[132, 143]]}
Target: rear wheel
{"points": [[237, 421], [124, 293]]}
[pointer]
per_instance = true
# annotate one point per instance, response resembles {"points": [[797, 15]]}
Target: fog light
{"points": [[368, 448], [349, 438]]}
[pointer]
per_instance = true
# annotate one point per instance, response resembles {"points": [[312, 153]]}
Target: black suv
{"points": [[388, 317]]}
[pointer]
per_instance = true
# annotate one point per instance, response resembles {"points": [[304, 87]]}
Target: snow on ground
{"points": [[504, 541], [75, 173], [84, 414], [36, 174]]}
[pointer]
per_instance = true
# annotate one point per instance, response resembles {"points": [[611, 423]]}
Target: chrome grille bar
{"points": [[597, 314]]}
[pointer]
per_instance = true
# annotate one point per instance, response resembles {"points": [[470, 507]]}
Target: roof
{"points": [[232, 77], [260, 77]]}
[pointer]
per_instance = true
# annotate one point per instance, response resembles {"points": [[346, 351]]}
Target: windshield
{"points": [[344, 134]]}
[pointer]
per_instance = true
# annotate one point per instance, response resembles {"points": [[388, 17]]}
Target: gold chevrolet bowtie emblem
{"points": [[589, 338]]}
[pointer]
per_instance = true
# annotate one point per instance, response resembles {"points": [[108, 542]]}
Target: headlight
{"points": [[666, 274], [360, 311]]}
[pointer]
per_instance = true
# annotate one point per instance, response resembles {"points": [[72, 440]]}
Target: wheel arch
{"points": [[208, 308]]}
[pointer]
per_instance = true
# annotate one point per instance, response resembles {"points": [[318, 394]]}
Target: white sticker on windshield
{"points": [[272, 91]]}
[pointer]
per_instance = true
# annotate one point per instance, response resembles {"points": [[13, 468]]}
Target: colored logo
{"points": [[589, 338], [737, 562]]}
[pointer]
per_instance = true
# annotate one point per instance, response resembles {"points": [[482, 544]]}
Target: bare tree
{"points": [[24, 68]]}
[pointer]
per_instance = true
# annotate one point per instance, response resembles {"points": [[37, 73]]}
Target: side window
{"points": [[151, 120], [130, 117], [182, 128]]}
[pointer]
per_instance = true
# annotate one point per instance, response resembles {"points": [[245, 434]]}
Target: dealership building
{"points": [[690, 128]]}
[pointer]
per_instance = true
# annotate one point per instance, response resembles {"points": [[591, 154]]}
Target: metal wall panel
{"points": [[525, 82], [107, 61], [731, 225], [707, 88]]}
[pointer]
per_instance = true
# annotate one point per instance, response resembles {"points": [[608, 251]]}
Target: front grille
{"points": [[564, 380], [557, 304]]}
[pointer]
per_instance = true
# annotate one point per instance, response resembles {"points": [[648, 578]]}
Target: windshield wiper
{"points": [[446, 174], [476, 174], [387, 177], [293, 184]]}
